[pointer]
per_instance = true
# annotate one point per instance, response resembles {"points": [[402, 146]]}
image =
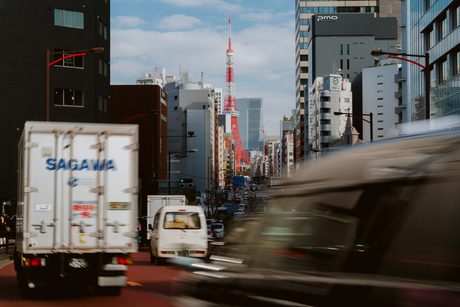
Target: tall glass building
{"points": [[250, 122], [304, 10], [434, 28]]}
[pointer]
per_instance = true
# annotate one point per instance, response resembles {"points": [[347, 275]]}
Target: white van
{"points": [[178, 231]]}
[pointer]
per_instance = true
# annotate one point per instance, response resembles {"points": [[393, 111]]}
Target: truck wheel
{"points": [[26, 292], [109, 291]]}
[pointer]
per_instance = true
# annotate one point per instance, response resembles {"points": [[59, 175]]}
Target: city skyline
{"points": [[193, 36]]}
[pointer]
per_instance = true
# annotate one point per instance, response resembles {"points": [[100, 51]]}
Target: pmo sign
{"points": [[328, 18]]}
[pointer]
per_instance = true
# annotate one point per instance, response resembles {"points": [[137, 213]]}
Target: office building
{"points": [[343, 43], [191, 107], [250, 122], [304, 10], [79, 86], [433, 27], [382, 94], [327, 95]]}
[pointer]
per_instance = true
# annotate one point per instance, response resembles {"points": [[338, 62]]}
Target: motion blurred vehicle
{"points": [[216, 230], [376, 225]]}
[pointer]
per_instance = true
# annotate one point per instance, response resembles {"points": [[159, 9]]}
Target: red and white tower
{"points": [[230, 105]]}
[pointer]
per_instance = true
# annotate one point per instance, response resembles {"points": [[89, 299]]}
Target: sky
{"points": [[192, 35]]}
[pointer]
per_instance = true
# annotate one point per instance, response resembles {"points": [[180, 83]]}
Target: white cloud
{"points": [[127, 22], [178, 22], [216, 4], [264, 61]]}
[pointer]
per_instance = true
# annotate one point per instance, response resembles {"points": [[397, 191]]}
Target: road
{"points": [[148, 285]]}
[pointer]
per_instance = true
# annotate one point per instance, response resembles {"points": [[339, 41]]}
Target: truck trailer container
{"points": [[77, 205]]}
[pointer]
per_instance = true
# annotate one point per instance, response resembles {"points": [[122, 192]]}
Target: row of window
{"points": [[335, 9], [103, 67], [68, 18], [74, 19], [68, 97], [103, 104], [443, 25]]}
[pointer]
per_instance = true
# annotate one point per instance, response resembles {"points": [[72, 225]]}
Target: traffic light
{"points": [[186, 180]]}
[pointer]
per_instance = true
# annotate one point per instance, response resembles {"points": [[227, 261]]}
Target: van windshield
{"points": [[182, 220]]}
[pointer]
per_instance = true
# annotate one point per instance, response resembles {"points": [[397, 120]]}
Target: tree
{"points": [[286, 119]]}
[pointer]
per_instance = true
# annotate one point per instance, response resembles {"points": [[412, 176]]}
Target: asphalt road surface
{"points": [[148, 285]]}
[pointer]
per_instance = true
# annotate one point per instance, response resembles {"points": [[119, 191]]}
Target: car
{"points": [[381, 232]]}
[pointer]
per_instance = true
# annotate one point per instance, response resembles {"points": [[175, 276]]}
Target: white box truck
{"points": [[77, 205], [155, 202]]}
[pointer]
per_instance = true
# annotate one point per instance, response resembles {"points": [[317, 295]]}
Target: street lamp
{"points": [[74, 53], [426, 72], [370, 121], [169, 166]]}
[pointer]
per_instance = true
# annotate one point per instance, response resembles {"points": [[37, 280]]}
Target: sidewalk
{"points": [[7, 254]]}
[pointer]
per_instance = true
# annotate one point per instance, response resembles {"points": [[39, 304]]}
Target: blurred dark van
{"points": [[375, 225]]}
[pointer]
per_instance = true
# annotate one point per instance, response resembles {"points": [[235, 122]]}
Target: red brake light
{"points": [[35, 262], [121, 260], [182, 210]]}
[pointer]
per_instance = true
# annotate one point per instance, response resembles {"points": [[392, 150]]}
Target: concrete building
{"points": [[286, 159], [329, 94], [191, 107], [221, 158], [343, 42], [229, 162], [157, 77], [304, 10], [250, 122], [382, 96], [273, 144], [79, 87]]}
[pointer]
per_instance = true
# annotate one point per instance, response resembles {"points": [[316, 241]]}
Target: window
{"points": [[101, 101], [341, 64], [379, 76], [68, 18], [325, 133], [106, 104], [348, 49], [380, 121], [348, 64], [445, 72], [380, 83], [67, 97], [75, 61], [380, 113], [303, 33], [379, 98], [347, 100], [379, 91], [304, 57], [101, 66], [341, 49], [303, 45], [380, 106], [105, 68], [380, 128], [303, 70]]}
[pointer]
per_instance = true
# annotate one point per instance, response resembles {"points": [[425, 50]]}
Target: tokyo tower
{"points": [[230, 104]]}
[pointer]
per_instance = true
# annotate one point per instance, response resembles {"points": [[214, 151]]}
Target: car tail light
{"points": [[122, 260], [197, 252], [34, 262], [167, 253]]}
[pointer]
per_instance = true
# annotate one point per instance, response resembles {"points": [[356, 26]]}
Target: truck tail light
{"points": [[167, 253], [34, 262], [123, 260], [197, 252]]}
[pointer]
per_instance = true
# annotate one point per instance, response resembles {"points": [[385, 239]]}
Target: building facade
{"points": [[382, 95], [433, 27], [191, 107], [147, 107], [304, 10], [328, 94], [79, 86], [250, 122]]}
